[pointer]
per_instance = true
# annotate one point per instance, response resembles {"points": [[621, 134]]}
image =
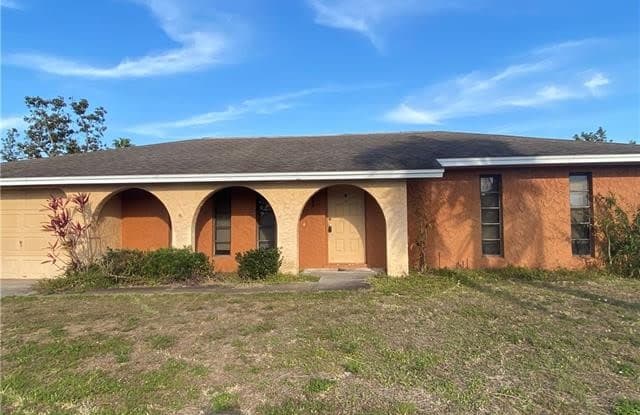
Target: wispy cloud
{"points": [[550, 75], [253, 106], [367, 16], [204, 38], [11, 4], [11, 122], [596, 83]]}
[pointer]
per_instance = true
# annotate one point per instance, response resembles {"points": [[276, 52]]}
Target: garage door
{"points": [[23, 242]]}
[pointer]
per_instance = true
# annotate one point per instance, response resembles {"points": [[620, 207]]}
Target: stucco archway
{"points": [[231, 220], [314, 228], [133, 218]]}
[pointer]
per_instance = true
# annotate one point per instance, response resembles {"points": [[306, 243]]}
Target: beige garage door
{"points": [[23, 242]]}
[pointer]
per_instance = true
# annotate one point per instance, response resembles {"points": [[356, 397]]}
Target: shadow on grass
{"points": [[584, 294], [533, 306], [503, 295]]}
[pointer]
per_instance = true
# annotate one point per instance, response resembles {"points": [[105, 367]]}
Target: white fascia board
{"points": [[225, 177], [540, 160]]}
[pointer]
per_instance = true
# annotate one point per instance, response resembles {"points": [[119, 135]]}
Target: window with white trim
{"points": [[491, 214], [580, 201]]}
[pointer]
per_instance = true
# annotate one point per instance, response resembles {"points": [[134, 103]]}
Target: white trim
{"points": [[539, 160], [223, 177]]}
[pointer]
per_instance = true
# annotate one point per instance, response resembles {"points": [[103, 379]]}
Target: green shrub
{"points": [[123, 264], [258, 264], [159, 266], [619, 237], [171, 264], [134, 267]]}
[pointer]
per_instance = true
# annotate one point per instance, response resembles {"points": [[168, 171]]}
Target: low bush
{"points": [[123, 264], [619, 234], [160, 266], [134, 267], [258, 264], [171, 265]]}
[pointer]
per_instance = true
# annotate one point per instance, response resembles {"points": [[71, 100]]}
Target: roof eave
{"points": [[539, 160], [223, 177]]}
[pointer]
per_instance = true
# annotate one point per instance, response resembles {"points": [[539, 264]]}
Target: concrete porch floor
{"points": [[334, 279]]}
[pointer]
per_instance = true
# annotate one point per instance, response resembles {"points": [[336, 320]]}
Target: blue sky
{"points": [[166, 70]]}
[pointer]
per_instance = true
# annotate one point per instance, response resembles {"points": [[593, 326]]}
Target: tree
{"points": [[10, 150], [599, 136], [122, 142], [55, 127]]}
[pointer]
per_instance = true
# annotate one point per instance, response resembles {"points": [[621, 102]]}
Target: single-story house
{"points": [[390, 200]]}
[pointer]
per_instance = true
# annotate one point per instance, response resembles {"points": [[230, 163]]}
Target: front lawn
{"points": [[454, 343]]}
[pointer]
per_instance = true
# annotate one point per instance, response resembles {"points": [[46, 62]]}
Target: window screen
{"points": [[222, 234], [491, 215], [580, 201], [266, 224]]}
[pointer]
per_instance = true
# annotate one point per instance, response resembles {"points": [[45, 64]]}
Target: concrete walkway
{"points": [[16, 286]]}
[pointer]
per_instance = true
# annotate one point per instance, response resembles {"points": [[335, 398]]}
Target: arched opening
{"points": [[134, 219], [233, 220], [342, 226]]}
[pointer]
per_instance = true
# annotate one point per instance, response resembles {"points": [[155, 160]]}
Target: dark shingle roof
{"points": [[353, 152]]}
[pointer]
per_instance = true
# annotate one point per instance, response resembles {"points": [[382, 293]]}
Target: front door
{"points": [[345, 216]]}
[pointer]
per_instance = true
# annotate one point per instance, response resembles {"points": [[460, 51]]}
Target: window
{"points": [[222, 234], [491, 215], [580, 200], [266, 224]]}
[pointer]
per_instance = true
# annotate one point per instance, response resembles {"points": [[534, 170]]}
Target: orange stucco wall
{"points": [[243, 228], [145, 222], [375, 232], [536, 221], [312, 231]]}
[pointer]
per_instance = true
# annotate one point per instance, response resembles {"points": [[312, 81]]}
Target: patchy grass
{"points": [[513, 341], [234, 278], [317, 385], [626, 407], [224, 402], [161, 341]]}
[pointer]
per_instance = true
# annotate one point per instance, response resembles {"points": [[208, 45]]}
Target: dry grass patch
{"points": [[447, 343]]}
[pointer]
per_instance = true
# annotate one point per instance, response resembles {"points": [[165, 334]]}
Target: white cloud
{"points": [[11, 122], [367, 16], [202, 35], [10, 4], [405, 114], [253, 106], [549, 76], [596, 82]]}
